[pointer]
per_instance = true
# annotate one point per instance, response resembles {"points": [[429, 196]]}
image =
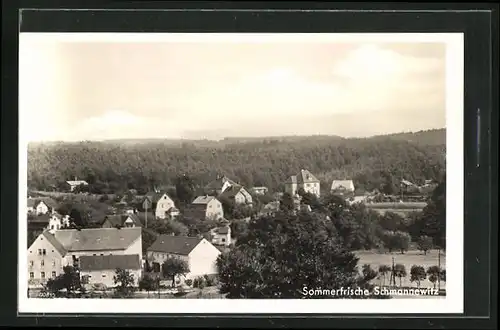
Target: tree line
{"points": [[373, 163]]}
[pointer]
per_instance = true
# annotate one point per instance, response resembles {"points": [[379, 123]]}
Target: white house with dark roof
{"points": [[123, 220], [342, 187], [305, 180], [221, 235], [205, 207], [238, 194], [219, 185], [101, 269], [75, 183], [51, 251], [57, 221], [200, 254], [45, 205], [165, 207]]}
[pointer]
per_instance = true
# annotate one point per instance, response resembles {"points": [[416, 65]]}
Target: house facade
{"points": [[44, 206], [65, 247], [238, 194], [72, 184], [165, 207], [342, 187], [45, 259], [205, 207], [303, 180], [102, 269], [219, 185], [221, 235], [57, 221], [199, 254]]}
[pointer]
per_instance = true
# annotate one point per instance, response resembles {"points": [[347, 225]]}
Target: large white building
{"points": [[50, 252], [305, 180]]}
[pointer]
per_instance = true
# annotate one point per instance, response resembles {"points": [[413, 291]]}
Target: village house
{"points": [[219, 185], [270, 208], [123, 220], [57, 221], [304, 180], [30, 205], [45, 205], [165, 208], [199, 254], [259, 190], [342, 187], [101, 269], [238, 194], [72, 184], [50, 252], [205, 207], [221, 235]]}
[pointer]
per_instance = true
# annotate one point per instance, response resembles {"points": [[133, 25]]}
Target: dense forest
{"points": [[115, 166]]}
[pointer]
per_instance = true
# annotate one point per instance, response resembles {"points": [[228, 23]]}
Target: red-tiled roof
{"points": [[110, 262]]}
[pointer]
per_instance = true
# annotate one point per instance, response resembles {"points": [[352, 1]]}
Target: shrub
{"points": [[199, 282], [189, 282]]}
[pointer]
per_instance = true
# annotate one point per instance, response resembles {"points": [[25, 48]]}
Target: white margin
{"points": [[452, 303]]}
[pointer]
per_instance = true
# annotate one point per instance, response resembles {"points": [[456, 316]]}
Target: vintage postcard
{"points": [[192, 169]]}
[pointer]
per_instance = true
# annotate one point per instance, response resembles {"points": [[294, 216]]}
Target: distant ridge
{"points": [[431, 136]]}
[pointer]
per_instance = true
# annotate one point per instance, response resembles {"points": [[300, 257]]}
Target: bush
{"points": [[199, 282], [189, 282]]}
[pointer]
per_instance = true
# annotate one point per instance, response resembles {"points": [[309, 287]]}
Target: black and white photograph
{"points": [[280, 170]]}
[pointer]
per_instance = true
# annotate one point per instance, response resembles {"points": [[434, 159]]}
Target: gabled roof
{"points": [[222, 230], [181, 245], [305, 176], [110, 262], [218, 183], [203, 200], [154, 197], [119, 220], [55, 243], [41, 219], [231, 191], [47, 201], [97, 239], [342, 184]]}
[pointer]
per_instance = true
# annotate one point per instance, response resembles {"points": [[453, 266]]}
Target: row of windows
{"points": [[42, 275], [42, 263]]}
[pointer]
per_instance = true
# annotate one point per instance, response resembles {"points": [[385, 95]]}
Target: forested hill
{"points": [[119, 165]]}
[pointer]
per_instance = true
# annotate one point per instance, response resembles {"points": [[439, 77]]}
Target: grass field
{"points": [[410, 258]]}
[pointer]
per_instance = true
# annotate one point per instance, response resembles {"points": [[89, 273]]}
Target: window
{"points": [[42, 274], [223, 240], [31, 263], [103, 275], [94, 254], [39, 252], [42, 263], [52, 227], [32, 275], [210, 206], [102, 254], [44, 252], [53, 263], [53, 274]]}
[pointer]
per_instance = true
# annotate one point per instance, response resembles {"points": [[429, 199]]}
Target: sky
{"points": [[96, 90]]}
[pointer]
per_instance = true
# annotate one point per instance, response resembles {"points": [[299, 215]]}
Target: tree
{"points": [[69, 280], [443, 275], [433, 222], [368, 273], [417, 274], [400, 271], [171, 227], [185, 189], [124, 282], [391, 221], [401, 241], [148, 283], [238, 228], [173, 267], [287, 203], [424, 243], [282, 255], [384, 270], [433, 273]]}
